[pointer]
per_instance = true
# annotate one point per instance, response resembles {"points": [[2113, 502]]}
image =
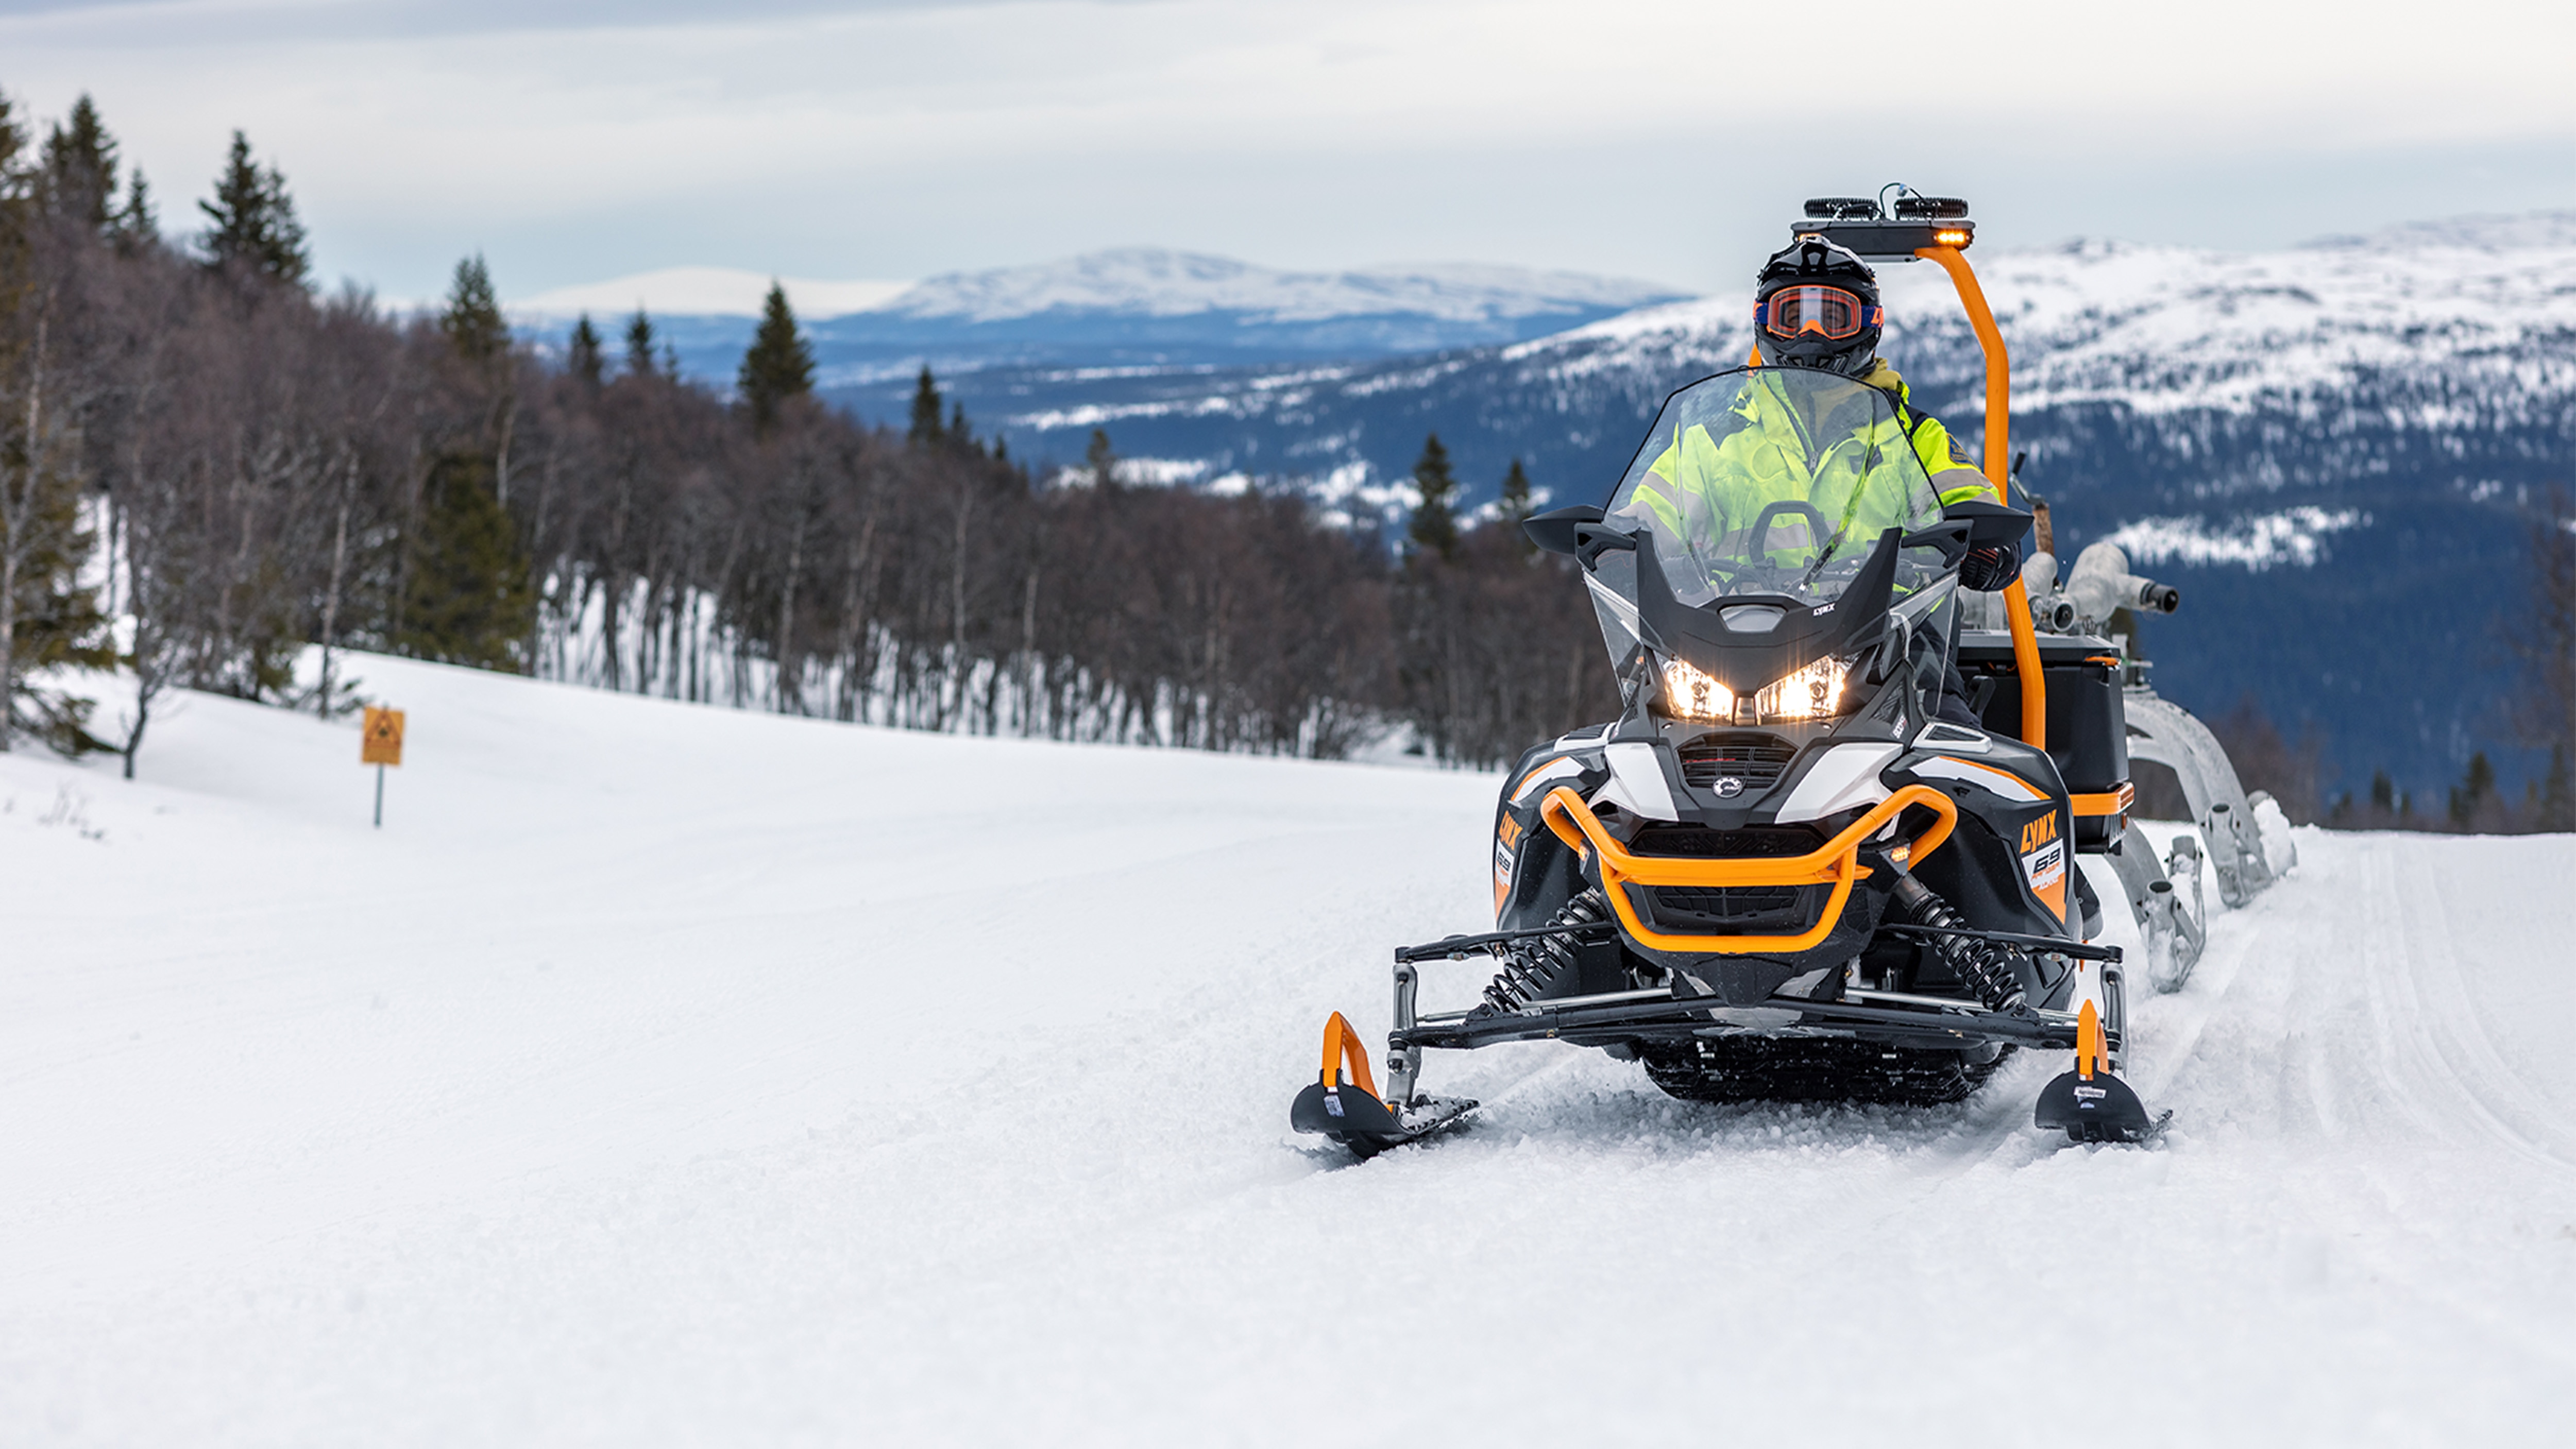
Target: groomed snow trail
{"points": [[671, 1076]]}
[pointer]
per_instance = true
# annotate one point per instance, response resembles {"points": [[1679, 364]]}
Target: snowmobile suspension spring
{"points": [[1544, 966], [1984, 966]]}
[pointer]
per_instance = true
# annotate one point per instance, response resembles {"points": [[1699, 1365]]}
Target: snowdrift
{"points": [[673, 1075]]}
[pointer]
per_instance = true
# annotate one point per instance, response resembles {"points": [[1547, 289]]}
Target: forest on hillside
{"points": [[210, 466], [256, 468]]}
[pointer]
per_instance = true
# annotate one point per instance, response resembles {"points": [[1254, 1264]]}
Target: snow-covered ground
{"points": [[675, 1075]]}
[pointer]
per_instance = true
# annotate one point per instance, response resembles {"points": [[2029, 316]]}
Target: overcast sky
{"points": [[1670, 141]]}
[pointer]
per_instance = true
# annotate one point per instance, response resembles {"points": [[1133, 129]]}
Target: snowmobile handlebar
{"points": [[1836, 863]]}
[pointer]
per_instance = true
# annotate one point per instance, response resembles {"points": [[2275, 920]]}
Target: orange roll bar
{"points": [[1835, 863], [2034, 686]]}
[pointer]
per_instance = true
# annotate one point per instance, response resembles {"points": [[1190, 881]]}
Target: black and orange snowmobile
{"points": [[1827, 850]]}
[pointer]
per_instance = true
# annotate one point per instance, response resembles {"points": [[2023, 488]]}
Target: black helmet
{"points": [[1816, 305]]}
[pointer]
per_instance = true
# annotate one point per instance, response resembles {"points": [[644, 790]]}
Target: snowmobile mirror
{"points": [[1555, 530], [1990, 524]]}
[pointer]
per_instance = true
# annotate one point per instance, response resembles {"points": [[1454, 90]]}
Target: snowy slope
{"points": [[704, 292], [1158, 282], [675, 1076]]}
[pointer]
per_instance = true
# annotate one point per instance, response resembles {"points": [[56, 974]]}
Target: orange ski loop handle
{"points": [[1342, 1047], [2090, 1053], [1835, 863], [1990, 339]]}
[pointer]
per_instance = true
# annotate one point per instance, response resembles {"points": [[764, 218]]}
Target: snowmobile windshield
{"points": [[1777, 481]]}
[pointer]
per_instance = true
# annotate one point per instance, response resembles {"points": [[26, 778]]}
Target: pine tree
{"points": [[2557, 805], [2475, 786], [639, 345], [1435, 521], [1101, 460], [2383, 792], [80, 168], [779, 365], [925, 411], [466, 598], [472, 319], [1517, 506], [134, 226], [582, 354], [254, 225]]}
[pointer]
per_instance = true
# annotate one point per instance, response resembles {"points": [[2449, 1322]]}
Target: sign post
{"points": [[380, 744]]}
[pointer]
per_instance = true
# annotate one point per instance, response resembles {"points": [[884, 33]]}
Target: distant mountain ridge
{"points": [[2325, 446], [1127, 306]]}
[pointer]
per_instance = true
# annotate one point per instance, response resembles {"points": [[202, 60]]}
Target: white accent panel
{"points": [[2011, 787], [1561, 768], [1637, 781], [1843, 777], [1943, 735]]}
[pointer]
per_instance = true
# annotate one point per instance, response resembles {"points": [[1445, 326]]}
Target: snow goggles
{"points": [[1829, 312]]}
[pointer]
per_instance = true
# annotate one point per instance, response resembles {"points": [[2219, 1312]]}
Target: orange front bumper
{"points": [[1835, 863]]}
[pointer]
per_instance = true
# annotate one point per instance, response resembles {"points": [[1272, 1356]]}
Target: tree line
{"points": [[216, 476]]}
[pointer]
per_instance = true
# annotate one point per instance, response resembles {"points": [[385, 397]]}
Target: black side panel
{"points": [[2088, 730]]}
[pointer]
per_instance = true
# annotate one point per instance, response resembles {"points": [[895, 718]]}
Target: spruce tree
{"points": [[2475, 786], [466, 598], [639, 345], [80, 168], [253, 221], [1517, 506], [472, 318], [779, 366], [1101, 460], [2383, 792], [1435, 521], [582, 354], [925, 411], [134, 226]]}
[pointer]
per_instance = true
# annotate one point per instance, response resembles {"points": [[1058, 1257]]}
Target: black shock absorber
{"points": [[1540, 967], [1986, 966]]}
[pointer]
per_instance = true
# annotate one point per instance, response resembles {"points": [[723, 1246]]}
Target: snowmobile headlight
{"points": [[1694, 694], [1815, 692]]}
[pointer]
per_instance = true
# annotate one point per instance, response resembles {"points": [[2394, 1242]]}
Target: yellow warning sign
{"points": [[381, 740]]}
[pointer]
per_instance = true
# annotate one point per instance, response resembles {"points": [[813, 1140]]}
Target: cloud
{"points": [[890, 139]]}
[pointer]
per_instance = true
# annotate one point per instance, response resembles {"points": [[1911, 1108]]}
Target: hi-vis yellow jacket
{"points": [[1703, 488]]}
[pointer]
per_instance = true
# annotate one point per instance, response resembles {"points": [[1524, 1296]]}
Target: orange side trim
{"points": [[1342, 1048], [2034, 688], [1835, 863], [2090, 1050], [2110, 802]]}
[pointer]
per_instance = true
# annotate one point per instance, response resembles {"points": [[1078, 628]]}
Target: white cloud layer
{"points": [[1632, 136]]}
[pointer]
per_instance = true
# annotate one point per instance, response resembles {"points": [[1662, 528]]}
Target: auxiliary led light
{"points": [[1950, 237]]}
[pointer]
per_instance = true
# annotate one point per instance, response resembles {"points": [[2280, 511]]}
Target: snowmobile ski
{"points": [[1343, 1103]]}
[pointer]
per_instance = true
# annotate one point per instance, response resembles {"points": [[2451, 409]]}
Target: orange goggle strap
{"points": [[1828, 312]]}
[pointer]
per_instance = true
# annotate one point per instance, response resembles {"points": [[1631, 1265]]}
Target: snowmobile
{"points": [[1789, 870]]}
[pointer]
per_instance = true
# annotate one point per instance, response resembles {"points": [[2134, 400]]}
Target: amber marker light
{"points": [[1950, 237]]}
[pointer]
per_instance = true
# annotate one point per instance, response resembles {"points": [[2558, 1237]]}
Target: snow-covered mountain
{"points": [[2324, 445], [1131, 306], [670, 1075]]}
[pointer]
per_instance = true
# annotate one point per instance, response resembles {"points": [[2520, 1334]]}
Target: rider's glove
{"points": [[1989, 570]]}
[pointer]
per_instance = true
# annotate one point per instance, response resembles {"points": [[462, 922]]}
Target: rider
{"points": [[1816, 305]]}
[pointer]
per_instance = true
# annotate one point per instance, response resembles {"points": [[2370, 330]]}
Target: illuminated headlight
{"points": [[1815, 692], [1692, 694]]}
